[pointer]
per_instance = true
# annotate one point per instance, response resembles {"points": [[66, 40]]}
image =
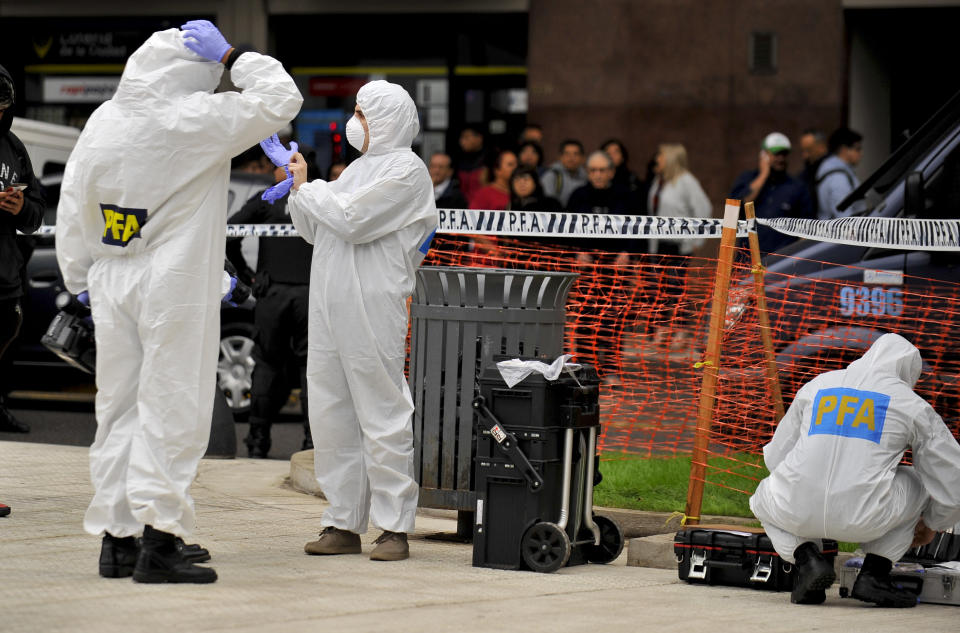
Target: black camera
{"points": [[70, 334]]}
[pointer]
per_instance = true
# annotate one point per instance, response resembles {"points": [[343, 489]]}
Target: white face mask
{"points": [[355, 133]]}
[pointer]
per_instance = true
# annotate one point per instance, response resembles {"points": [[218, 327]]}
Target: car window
{"points": [[51, 194]]}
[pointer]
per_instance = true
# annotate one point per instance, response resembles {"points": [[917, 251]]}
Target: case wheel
{"points": [[611, 542], [545, 547]]}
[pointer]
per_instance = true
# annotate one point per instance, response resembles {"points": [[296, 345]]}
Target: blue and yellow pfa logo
{"points": [[120, 224], [849, 413]]}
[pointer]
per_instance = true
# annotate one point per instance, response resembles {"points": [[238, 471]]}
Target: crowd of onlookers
{"points": [[602, 181]]}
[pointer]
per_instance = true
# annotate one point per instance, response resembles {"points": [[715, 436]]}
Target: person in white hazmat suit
{"points": [[835, 472], [370, 229], [141, 225]]}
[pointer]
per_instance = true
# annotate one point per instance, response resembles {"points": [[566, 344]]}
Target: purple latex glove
{"points": [[279, 190], [84, 298], [227, 297], [276, 152], [204, 39]]}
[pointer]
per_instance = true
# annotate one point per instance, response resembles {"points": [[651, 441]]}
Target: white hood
{"points": [[892, 355], [391, 116], [164, 69]]}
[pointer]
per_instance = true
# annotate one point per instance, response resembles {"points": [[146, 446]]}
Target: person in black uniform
{"points": [[20, 210], [281, 286]]}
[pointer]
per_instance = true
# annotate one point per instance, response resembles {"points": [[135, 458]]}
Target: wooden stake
{"points": [[711, 362], [773, 379]]}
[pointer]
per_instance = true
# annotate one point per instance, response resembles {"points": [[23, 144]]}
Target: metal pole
{"points": [[711, 362]]}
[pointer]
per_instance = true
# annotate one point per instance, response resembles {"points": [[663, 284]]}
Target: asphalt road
{"points": [[73, 424]]}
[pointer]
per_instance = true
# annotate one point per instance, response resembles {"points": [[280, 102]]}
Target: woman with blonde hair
{"points": [[675, 193]]}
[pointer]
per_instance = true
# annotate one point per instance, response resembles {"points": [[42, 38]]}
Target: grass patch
{"points": [[660, 485]]}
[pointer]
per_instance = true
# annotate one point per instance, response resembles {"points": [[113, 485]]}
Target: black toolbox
{"points": [[735, 555], [534, 473]]}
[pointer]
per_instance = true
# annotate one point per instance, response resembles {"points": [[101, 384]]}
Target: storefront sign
{"points": [[335, 86], [79, 89]]}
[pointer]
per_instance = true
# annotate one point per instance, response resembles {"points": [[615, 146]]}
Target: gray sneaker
{"points": [[334, 541], [391, 546]]}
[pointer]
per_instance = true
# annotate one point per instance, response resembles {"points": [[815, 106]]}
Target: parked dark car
{"points": [[36, 368], [828, 302]]}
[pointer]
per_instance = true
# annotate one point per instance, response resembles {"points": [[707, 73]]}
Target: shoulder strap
{"points": [[838, 170]]}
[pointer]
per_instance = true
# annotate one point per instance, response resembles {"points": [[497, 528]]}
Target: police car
{"points": [[829, 302]]}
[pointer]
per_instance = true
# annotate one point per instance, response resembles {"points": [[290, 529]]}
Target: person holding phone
{"points": [[21, 209], [775, 192]]}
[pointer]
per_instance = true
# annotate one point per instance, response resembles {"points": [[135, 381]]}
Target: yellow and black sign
{"points": [[121, 225]]}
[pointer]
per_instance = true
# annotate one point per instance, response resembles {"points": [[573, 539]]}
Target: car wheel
{"points": [[235, 368]]}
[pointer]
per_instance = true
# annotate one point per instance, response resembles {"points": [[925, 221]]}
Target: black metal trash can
{"points": [[461, 318]]}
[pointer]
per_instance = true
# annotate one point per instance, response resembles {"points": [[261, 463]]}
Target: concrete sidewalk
{"points": [[255, 526]]}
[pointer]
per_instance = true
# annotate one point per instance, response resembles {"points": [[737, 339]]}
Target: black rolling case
{"points": [[735, 555], [534, 474]]}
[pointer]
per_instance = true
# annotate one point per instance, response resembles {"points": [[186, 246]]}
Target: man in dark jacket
{"points": [[602, 196], [776, 193], [21, 209], [446, 190], [281, 286]]}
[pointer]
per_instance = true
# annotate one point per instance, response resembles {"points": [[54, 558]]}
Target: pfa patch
{"points": [[849, 413], [121, 224]]}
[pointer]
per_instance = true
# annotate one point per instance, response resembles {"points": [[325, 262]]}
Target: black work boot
{"points": [[118, 556], [192, 552], [258, 438], [160, 561], [814, 575], [875, 585]]}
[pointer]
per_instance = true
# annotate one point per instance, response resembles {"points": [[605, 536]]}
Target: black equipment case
{"points": [[735, 555], [944, 547], [535, 471]]}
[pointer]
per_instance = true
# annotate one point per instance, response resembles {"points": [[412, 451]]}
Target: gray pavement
{"points": [[255, 525]]}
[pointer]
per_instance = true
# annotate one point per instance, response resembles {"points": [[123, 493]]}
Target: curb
{"points": [[633, 523], [302, 478]]}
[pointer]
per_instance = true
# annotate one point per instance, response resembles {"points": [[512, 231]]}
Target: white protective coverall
{"points": [[370, 229], [142, 225], [834, 458]]}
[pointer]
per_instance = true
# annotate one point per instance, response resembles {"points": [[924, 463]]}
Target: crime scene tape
{"points": [[543, 224], [899, 233]]}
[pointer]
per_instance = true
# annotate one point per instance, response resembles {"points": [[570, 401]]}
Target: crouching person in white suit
{"points": [[835, 472]]}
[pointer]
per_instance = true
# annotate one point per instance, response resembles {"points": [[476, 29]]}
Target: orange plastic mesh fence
{"points": [[643, 322]]}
